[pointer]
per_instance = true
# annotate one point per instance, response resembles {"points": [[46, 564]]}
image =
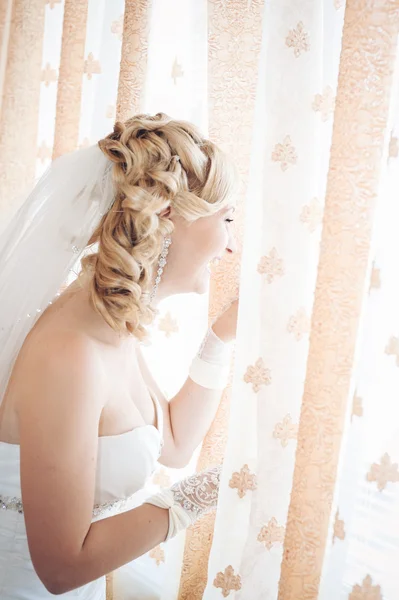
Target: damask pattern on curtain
{"points": [[308, 507], [304, 95]]}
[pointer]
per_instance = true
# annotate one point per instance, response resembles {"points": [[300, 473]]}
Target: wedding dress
{"points": [[125, 463]]}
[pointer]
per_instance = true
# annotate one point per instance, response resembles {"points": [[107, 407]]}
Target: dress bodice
{"points": [[125, 462]]}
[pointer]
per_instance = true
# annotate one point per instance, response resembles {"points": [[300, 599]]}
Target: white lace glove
{"points": [[189, 499]]}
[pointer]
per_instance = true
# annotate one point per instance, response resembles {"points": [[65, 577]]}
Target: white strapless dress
{"points": [[125, 463]]}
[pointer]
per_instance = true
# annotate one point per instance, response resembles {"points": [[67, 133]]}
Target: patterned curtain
{"points": [[309, 501], [304, 95], [234, 41], [21, 38]]}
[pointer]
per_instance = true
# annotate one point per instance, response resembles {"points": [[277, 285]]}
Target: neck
{"points": [[89, 320]]}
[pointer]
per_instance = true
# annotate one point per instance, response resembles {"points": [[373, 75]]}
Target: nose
{"points": [[231, 244]]}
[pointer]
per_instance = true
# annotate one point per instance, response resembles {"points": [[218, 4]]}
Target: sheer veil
{"points": [[45, 239]]}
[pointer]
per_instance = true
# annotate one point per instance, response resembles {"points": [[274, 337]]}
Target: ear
{"points": [[167, 212]]}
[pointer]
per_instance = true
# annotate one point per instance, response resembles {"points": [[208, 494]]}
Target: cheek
{"points": [[212, 241], [204, 251], [196, 245]]}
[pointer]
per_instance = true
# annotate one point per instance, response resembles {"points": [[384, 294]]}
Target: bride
{"points": [[82, 422]]}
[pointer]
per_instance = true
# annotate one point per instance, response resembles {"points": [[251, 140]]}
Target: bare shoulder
{"points": [[62, 347], [64, 361]]}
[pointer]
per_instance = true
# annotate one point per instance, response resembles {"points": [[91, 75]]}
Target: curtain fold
{"points": [[360, 137], [6, 8], [23, 24], [363, 540], [234, 37], [72, 66], [132, 73], [298, 72]]}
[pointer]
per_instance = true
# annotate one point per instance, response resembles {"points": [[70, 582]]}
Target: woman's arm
{"points": [[190, 413], [59, 407], [187, 417], [192, 410]]}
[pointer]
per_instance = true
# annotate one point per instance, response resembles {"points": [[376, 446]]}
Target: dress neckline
{"points": [[130, 432]]}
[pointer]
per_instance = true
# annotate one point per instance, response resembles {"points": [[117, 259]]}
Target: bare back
{"points": [[124, 401]]}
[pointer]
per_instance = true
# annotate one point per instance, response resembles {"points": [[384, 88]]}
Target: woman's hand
{"points": [[225, 326], [189, 499]]}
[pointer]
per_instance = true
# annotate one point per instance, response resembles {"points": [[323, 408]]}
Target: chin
{"points": [[195, 285], [202, 290], [201, 286]]}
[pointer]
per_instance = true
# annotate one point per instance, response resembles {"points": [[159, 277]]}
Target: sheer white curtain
{"points": [[103, 42], [291, 141], [307, 270]]}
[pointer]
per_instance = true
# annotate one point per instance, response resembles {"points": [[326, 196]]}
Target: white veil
{"points": [[44, 240]]}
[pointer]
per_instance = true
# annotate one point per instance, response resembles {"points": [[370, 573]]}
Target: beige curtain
{"points": [[21, 29], [304, 95]]}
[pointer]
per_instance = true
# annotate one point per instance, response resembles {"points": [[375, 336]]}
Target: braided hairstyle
{"points": [[158, 162]]}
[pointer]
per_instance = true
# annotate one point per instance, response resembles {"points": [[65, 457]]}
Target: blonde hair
{"points": [[158, 162]]}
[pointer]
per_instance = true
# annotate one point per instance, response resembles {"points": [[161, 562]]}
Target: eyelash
{"points": [[229, 220]]}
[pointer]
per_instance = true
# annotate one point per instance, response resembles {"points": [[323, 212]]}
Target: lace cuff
{"points": [[189, 499], [198, 493]]}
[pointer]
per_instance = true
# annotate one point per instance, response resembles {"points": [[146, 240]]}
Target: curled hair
{"points": [[157, 162]]}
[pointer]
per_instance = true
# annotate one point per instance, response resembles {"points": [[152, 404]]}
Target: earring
{"points": [[161, 265]]}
